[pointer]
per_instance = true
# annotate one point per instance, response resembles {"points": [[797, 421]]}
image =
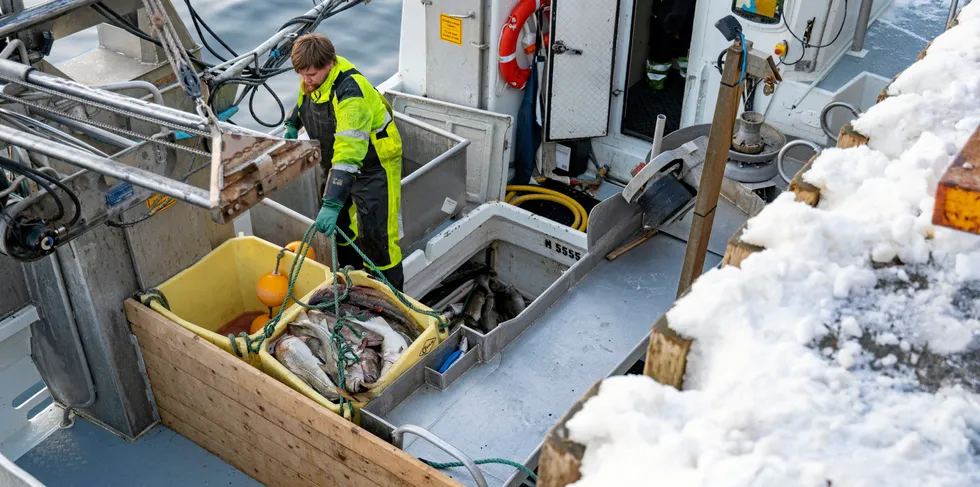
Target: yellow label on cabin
{"points": [[766, 8], [152, 202], [451, 29]]}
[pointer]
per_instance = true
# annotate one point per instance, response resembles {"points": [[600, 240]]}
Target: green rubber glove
{"points": [[291, 131], [326, 219]]}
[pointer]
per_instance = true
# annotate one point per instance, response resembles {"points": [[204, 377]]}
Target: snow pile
{"points": [[824, 361]]}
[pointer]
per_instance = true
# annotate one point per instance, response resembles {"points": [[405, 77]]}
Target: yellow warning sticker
{"points": [[154, 201], [451, 29]]}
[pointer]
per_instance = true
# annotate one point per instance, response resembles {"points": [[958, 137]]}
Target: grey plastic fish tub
{"points": [[433, 177]]}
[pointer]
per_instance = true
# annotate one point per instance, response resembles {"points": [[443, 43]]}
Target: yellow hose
{"points": [[554, 199], [510, 196], [581, 218]]}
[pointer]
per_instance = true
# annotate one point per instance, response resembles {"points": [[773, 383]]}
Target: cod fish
{"points": [[318, 338], [488, 316], [296, 356], [510, 303], [392, 346], [374, 301], [358, 375]]}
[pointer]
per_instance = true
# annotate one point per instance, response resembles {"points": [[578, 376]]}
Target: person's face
{"points": [[313, 77]]}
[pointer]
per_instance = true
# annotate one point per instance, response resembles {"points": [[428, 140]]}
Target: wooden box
{"points": [[257, 424]]}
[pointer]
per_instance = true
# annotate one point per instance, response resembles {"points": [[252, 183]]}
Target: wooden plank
{"points": [[666, 355], [850, 138], [805, 192], [561, 458], [736, 251], [242, 456], [958, 194], [350, 444], [171, 384], [342, 458], [716, 156], [615, 254]]}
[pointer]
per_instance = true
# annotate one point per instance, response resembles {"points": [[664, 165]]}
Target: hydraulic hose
{"points": [[544, 194]]}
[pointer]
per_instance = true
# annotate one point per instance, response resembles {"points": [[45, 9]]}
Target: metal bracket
{"points": [[653, 170], [826, 111], [112, 197], [782, 155], [246, 168]]}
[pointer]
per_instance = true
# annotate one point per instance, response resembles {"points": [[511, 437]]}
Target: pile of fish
{"points": [[377, 331], [475, 297]]}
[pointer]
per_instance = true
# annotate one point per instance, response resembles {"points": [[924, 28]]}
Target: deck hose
{"points": [[544, 194]]}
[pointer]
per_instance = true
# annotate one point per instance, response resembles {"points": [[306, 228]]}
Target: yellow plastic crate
{"points": [[221, 286], [425, 343]]}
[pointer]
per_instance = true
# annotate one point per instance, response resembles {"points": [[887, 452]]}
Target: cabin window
{"points": [[761, 11]]}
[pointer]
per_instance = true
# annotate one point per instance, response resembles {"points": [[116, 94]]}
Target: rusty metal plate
{"points": [[252, 167]]}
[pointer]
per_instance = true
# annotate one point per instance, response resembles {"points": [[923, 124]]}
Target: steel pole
{"points": [[24, 73], [953, 6], [861, 29], [239, 64], [86, 160], [33, 16]]}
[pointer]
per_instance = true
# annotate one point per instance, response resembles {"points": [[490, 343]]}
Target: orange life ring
{"points": [[513, 74]]}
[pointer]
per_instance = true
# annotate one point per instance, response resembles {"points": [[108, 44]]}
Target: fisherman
{"points": [[361, 154]]}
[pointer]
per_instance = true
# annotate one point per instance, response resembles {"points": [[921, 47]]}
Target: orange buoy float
{"points": [[515, 76], [294, 248], [272, 288], [258, 323]]}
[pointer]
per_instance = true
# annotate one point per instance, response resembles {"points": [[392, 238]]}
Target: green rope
{"points": [[443, 466], [154, 294], [345, 352], [443, 323]]}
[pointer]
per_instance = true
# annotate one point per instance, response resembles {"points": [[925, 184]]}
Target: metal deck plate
{"points": [[86, 454], [893, 42], [504, 408]]}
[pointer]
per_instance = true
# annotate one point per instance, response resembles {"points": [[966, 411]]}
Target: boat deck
{"points": [[893, 42], [86, 454], [503, 408]]}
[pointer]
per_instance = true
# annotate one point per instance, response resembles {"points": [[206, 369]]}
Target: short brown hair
{"points": [[312, 51]]}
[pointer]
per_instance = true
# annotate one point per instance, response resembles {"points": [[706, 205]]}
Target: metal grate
{"points": [[580, 83]]}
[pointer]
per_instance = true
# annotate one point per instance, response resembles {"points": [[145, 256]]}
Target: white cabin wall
{"points": [[411, 51], [501, 98], [702, 91]]}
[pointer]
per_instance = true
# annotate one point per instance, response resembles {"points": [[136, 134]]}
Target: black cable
{"points": [[258, 76], [196, 17], [282, 109], [197, 27], [57, 182], [42, 181], [802, 55], [157, 208], [807, 44]]}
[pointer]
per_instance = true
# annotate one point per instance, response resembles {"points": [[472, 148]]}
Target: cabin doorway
{"points": [[659, 45]]}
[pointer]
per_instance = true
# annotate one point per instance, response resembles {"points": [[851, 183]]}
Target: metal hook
{"points": [[398, 437], [782, 155], [826, 110]]}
